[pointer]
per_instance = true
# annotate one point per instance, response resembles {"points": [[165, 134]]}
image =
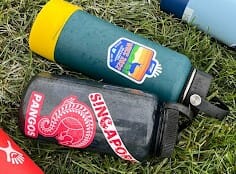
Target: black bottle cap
{"points": [[195, 93], [199, 83]]}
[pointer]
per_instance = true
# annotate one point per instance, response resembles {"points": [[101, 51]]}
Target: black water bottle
{"points": [[94, 116]]}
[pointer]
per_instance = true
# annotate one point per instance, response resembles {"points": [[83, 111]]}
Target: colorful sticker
{"points": [[108, 127], [133, 60], [71, 123]]}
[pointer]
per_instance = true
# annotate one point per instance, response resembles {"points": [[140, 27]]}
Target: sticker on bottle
{"points": [[108, 127], [133, 60], [71, 122]]}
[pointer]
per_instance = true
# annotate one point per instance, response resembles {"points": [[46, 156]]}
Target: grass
{"points": [[208, 146]]}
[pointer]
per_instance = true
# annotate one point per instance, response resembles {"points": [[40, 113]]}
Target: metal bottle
{"points": [[215, 17], [63, 33]]}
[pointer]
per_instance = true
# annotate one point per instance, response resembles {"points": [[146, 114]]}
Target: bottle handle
{"points": [[213, 108], [170, 128], [184, 111]]}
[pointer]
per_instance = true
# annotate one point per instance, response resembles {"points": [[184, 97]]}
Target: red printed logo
{"points": [[13, 156], [33, 113], [108, 128], [13, 160], [72, 123]]}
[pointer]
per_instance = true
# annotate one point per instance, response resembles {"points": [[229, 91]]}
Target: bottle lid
{"points": [[196, 92], [48, 26], [175, 7]]}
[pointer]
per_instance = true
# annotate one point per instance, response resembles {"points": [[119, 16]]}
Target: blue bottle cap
{"points": [[175, 7]]}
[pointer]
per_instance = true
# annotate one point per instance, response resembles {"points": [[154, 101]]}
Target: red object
{"points": [[13, 160]]}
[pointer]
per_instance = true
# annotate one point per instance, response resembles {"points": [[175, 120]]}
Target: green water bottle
{"points": [[66, 34]]}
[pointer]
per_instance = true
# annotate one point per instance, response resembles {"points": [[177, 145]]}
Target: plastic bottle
{"points": [[62, 32], [215, 17], [97, 117], [13, 159]]}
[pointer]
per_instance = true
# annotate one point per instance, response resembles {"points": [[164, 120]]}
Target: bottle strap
{"points": [[182, 111], [214, 108], [186, 111], [173, 124], [170, 129]]}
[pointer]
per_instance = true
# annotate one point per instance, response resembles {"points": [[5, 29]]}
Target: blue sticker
{"points": [[133, 60]]}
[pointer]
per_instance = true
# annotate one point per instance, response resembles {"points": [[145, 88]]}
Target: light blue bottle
{"points": [[215, 17]]}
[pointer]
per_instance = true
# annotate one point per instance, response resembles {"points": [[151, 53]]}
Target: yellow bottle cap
{"points": [[48, 25]]}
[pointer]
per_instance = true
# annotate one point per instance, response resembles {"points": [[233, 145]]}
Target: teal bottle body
{"points": [[215, 17], [106, 52]]}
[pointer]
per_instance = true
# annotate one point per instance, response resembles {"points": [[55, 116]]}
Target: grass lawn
{"points": [[208, 146]]}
